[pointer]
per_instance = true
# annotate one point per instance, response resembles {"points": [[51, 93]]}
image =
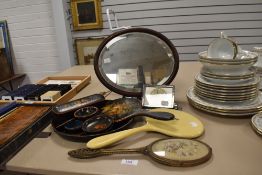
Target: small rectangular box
{"points": [[50, 96], [77, 83]]}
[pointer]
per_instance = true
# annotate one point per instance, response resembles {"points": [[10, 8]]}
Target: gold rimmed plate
{"points": [[256, 122], [226, 93], [253, 83], [227, 82], [243, 76], [234, 113], [240, 113], [234, 109], [225, 98], [228, 88], [224, 113], [251, 105], [227, 71], [223, 102]]}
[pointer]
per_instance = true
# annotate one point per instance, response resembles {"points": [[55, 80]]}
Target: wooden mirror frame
{"points": [[131, 30]]}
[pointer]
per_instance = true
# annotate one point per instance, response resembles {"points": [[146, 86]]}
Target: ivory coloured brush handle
{"points": [[109, 139]]}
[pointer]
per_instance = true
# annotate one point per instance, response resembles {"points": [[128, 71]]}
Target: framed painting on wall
{"points": [[86, 49], [2, 43], [6, 63], [86, 14]]}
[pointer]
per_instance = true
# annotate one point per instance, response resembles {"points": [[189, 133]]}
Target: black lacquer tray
{"points": [[81, 136]]}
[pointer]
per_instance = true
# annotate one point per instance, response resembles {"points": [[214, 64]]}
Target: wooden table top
{"points": [[237, 149]]}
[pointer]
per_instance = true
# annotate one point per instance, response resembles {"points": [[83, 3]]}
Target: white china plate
{"points": [[257, 122], [230, 93], [222, 83], [228, 77], [227, 81], [228, 74], [225, 90], [224, 97], [226, 109]]}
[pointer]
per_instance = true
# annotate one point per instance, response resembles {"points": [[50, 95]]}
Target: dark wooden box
{"points": [[21, 135]]}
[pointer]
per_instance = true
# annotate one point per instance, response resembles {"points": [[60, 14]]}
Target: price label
{"points": [[129, 162]]}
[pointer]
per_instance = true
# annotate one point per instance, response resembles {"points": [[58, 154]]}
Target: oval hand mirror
{"points": [[130, 58], [172, 152]]}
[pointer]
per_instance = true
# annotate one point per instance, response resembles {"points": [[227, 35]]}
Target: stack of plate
{"points": [[227, 86], [224, 90]]}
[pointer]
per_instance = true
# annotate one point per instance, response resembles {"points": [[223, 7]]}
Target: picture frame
{"points": [[5, 51], [86, 49], [2, 43], [86, 14]]}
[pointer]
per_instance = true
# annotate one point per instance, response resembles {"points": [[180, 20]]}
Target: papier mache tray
{"points": [[59, 122]]}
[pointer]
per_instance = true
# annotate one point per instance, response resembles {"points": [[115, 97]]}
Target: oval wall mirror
{"points": [[128, 59]]}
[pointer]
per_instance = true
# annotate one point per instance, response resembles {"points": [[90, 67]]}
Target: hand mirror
{"points": [[127, 59], [172, 152]]}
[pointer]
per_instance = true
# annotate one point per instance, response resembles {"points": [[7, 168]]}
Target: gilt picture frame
{"points": [[86, 49], [86, 14]]}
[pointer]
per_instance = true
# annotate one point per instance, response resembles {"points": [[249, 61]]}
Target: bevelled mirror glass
{"points": [[128, 59]]}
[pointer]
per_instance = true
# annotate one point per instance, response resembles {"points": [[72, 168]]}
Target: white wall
{"points": [[63, 34], [189, 24], [33, 36], [42, 42]]}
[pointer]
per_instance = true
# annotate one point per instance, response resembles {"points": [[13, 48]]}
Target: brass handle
{"points": [[86, 153]]}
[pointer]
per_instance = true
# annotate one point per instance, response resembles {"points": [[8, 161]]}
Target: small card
{"points": [[127, 77], [158, 96]]}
